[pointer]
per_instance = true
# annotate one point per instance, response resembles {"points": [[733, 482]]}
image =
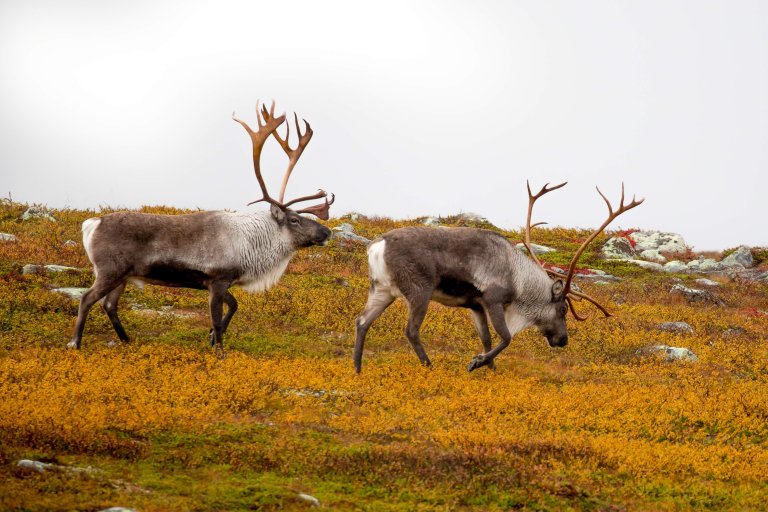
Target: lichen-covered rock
{"points": [[31, 268], [72, 293], [707, 282], [314, 502], [694, 295], [675, 266], [741, 257], [670, 353], [704, 265], [648, 265], [619, 247], [7, 237], [472, 217], [653, 255], [37, 212], [681, 327], [659, 241], [431, 221], [537, 249], [345, 227]]}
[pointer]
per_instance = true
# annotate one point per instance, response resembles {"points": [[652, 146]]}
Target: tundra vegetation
{"points": [[171, 426]]}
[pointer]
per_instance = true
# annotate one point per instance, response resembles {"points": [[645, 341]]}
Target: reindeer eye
{"points": [[294, 221], [563, 310]]}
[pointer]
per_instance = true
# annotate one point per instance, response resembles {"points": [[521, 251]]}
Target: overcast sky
{"points": [[418, 108]]}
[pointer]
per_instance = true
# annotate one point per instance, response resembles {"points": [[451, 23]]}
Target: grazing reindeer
{"points": [[475, 269], [206, 250]]}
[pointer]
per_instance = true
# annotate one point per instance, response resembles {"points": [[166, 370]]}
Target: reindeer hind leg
{"points": [[109, 303], [379, 299]]}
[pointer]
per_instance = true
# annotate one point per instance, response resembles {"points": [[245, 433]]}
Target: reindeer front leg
{"points": [[499, 322], [217, 292]]}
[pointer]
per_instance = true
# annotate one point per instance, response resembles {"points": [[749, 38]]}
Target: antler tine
{"points": [[293, 154], [611, 216], [258, 138], [573, 310], [321, 211], [532, 199]]}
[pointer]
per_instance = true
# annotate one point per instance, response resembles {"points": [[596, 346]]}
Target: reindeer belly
{"points": [[178, 276], [455, 293]]}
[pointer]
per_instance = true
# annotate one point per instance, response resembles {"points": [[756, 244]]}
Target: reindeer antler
{"points": [[320, 210], [611, 217], [258, 138], [532, 199], [269, 127], [567, 291]]}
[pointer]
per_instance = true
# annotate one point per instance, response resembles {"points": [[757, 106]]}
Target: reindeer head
{"points": [[304, 231], [551, 320]]}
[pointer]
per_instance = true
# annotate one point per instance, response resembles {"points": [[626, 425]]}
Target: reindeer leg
{"points": [[216, 297], [231, 303], [378, 301], [110, 307], [480, 319], [417, 307], [496, 314], [101, 287]]}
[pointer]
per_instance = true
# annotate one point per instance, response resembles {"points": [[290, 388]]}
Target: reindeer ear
{"points": [[557, 290], [278, 214]]}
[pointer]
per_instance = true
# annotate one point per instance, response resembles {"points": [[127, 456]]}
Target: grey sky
{"points": [[419, 108]]}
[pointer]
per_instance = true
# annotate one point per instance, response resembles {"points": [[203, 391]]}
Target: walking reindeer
{"points": [[475, 269], [210, 250]]}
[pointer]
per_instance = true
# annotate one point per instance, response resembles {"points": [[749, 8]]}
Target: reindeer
{"points": [[475, 269], [210, 250]]}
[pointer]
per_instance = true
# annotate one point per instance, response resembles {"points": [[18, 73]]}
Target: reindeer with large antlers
{"points": [[475, 269], [205, 250]]}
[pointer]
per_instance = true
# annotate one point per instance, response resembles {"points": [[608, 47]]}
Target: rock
{"points": [[704, 265], [557, 269], [675, 267], [346, 227], [72, 293], [472, 217], [659, 241], [309, 499], [670, 353], [741, 257], [620, 248], [431, 221], [36, 269], [37, 212], [694, 295], [706, 282], [734, 331], [345, 235], [42, 467], [653, 255], [676, 327], [34, 465], [355, 216], [61, 268], [30, 268], [345, 238], [537, 249], [7, 237], [70, 243], [648, 265]]}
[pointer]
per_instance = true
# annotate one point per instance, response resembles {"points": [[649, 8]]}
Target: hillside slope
{"points": [[599, 425]]}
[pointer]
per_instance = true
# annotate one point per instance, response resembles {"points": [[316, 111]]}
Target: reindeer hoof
{"points": [[477, 362], [72, 344]]}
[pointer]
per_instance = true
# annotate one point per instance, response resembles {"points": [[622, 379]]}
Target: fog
{"points": [[427, 108]]}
